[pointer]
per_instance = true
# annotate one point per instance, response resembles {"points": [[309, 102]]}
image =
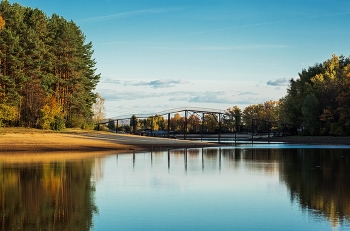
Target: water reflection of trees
{"points": [[319, 180], [46, 196]]}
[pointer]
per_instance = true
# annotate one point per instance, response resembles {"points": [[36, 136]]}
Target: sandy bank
{"points": [[37, 141]]}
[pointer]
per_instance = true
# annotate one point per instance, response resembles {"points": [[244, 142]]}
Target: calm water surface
{"points": [[291, 188]]}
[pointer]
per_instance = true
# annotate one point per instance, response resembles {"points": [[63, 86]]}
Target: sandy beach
{"points": [[26, 141], [39, 141]]}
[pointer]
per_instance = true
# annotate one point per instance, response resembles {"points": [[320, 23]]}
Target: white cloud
{"points": [[247, 93], [159, 83], [278, 82], [126, 95], [110, 81]]}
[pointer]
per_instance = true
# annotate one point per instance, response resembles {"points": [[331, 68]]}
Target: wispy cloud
{"points": [[188, 97], [214, 97], [247, 93], [278, 82], [130, 14], [159, 83], [135, 84], [210, 97], [111, 81], [127, 95]]}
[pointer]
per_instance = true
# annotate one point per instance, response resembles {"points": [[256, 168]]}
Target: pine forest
{"points": [[47, 73]]}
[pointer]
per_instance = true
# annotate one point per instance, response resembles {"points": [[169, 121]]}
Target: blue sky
{"points": [[158, 55]]}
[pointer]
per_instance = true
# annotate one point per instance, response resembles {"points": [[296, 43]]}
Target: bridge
{"points": [[216, 114], [200, 112]]}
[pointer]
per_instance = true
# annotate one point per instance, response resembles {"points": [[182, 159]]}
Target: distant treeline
{"points": [[47, 74], [317, 103]]}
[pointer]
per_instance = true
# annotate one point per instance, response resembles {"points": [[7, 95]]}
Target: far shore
{"points": [[311, 140], [15, 141]]}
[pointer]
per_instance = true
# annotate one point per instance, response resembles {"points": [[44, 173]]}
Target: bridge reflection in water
{"points": [[185, 152]]}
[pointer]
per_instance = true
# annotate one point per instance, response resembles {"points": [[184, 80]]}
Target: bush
{"points": [[88, 125], [58, 124]]}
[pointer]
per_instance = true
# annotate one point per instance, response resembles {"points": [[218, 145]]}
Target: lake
{"points": [[260, 187]]}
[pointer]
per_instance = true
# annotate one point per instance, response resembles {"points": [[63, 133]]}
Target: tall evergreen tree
{"points": [[41, 57]]}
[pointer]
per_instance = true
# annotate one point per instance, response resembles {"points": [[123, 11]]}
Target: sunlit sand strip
{"points": [[39, 147]]}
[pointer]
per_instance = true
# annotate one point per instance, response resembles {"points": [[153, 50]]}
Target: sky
{"points": [[156, 55]]}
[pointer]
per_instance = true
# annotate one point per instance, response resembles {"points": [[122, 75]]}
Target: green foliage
{"points": [[111, 125], [58, 123], [133, 123], [232, 118], [310, 111], [211, 122], [319, 99], [88, 125], [75, 121], [42, 57]]}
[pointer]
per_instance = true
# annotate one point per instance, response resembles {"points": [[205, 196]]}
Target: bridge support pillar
{"points": [[185, 127], [202, 127], [168, 125], [219, 134]]}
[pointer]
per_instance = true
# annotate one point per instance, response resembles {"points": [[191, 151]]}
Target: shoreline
{"points": [[310, 140], [21, 141], [15, 141]]}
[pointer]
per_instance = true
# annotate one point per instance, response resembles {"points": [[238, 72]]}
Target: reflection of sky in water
{"points": [[205, 191]]}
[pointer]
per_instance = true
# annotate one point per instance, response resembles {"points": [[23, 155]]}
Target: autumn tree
{"points": [[193, 123], [211, 122], [133, 123], [177, 122], [317, 100], [8, 114], [232, 118], [52, 116]]}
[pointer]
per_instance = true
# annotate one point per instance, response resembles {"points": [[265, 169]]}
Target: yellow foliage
{"points": [[49, 111], [317, 79], [2, 23], [8, 113], [52, 180], [347, 70]]}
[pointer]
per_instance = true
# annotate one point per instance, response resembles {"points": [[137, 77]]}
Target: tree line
{"points": [[260, 117], [47, 73], [316, 103], [319, 101]]}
